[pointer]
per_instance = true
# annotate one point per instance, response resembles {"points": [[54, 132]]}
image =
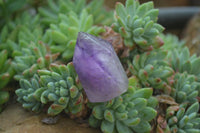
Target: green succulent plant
{"points": [[30, 59], [6, 74], [62, 36], [21, 32], [186, 88], [12, 28], [171, 42], [137, 25], [63, 89], [50, 13], [152, 70], [128, 113], [6, 70], [8, 8], [100, 14], [57, 88], [185, 65], [184, 119], [182, 61], [29, 94], [179, 55]]}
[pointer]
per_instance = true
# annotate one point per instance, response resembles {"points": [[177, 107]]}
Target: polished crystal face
{"points": [[99, 69]]}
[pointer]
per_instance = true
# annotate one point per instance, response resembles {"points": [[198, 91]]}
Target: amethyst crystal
{"points": [[99, 69]]}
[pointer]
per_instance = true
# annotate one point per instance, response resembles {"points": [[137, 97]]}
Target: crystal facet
{"points": [[99, 69]]}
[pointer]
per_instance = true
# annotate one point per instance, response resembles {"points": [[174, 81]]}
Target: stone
{"points": [[99, 68]]}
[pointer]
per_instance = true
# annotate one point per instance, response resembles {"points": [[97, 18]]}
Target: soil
{"points": [[15, 119]]}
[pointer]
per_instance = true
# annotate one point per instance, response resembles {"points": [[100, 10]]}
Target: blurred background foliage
{"points": [[159, 3]]}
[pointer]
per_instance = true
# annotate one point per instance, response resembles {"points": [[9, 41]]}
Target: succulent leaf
{"points": [[4, 97], [6, 70]]}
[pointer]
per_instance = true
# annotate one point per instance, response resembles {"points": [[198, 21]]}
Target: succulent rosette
{"points": [[30, 59], [172, 42], [99, 69], [62, 36], [58, 89], [184, 119], [182, 61], [137, 24], [128, 113], [152, 70], [186, 88], [29, 94], [63, 88]]}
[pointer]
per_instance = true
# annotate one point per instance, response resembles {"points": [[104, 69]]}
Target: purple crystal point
{"points": [[99, 69]]}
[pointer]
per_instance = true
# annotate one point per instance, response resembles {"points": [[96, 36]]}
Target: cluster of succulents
{"points": [[182, 61], [183, 118], [58, 87], [31, 58], [187, 92], [171, 41], [62, 35], [152, 70], [126, 94], [50, 13], [130, 112], [137, 25], [8, 8], [20, 32]]}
